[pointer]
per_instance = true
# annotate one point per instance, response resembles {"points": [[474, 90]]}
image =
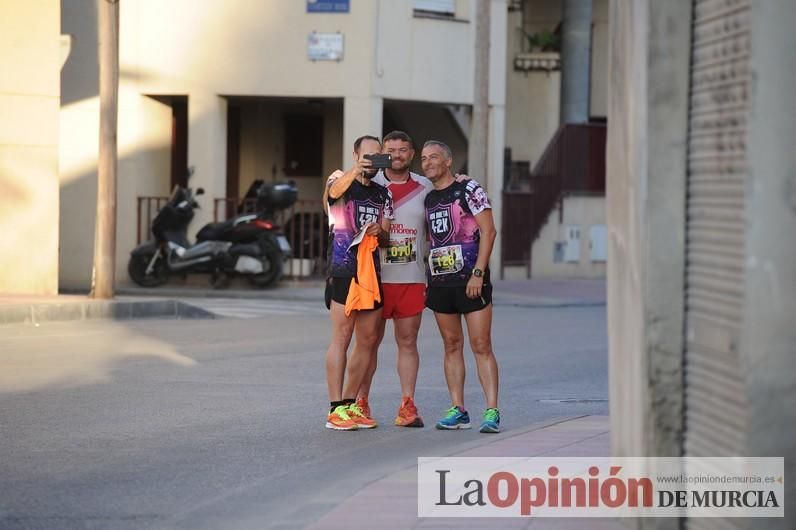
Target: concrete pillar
{"points": [[575, 61], [207, 151], [496, 141], [478, 138], [361, 115], [645, 207], [769, 336], [494, 183]]}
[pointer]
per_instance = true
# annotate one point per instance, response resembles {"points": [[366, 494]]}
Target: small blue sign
{"points": [[328, 6]]}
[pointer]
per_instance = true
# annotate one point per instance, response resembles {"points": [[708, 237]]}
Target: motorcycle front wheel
{"points": [[272, 268], [137, 267]]}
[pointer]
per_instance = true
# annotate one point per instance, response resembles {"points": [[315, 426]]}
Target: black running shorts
{"points": [[453, 300], [337, 290]]}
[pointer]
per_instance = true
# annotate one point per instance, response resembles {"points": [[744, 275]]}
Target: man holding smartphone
{"points": [[355, 203]]}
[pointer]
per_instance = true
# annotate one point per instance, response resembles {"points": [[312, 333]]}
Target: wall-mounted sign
{"points": [[325, 46], [328, 6]]}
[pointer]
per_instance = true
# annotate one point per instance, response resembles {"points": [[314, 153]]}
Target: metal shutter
{"points": [[447, 7], [716, 414]]}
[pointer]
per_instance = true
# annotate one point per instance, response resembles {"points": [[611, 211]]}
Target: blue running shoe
{"points": [[455, 418], [491, 422]]}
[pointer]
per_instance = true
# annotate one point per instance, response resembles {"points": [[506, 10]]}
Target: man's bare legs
{"points": [[408, 362], [406, 330], [479, 329], [450, 327], [367, 330], [479, 324], [342, 330], [364, 389], [360, 324]]}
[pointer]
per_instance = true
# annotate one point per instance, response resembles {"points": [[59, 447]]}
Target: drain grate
{"points": [[573, 400]]}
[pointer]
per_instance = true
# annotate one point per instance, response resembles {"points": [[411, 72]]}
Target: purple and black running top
{"points": [[453, 232], [357, 207]]}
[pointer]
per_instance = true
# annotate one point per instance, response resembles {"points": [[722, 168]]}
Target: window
{"points": [[437, 7]]}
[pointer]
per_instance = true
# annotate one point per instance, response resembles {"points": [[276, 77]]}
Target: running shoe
{"points": [[362, 403], [455, 418], [339, 420], [362, 421], [491, 421], [407, 414]]}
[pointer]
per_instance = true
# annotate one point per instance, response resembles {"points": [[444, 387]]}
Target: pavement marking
{"points": [[245, 308]]}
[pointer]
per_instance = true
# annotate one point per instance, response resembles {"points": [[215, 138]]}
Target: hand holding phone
{"points": [[380, 161]]}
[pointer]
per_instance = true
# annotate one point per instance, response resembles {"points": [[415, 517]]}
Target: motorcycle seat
{"points": [[212, 231]]}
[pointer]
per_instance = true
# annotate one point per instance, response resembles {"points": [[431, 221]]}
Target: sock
{"points": [[335, 404], [349, 401]]}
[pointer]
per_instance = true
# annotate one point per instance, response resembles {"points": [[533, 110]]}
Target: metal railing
{"points": [[228, 207], [304, 224], [147, 208], [572, 163]]}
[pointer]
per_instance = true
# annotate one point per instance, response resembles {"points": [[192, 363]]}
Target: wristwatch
{"points": [[478, 273]]}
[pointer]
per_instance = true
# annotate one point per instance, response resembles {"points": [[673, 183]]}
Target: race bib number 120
{"points": [[446, 260]]}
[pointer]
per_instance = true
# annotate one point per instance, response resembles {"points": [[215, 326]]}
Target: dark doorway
{"points": [[179, 141], [303, 145], [233, 150]]}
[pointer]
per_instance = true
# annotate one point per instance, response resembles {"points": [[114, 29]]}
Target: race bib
{"points": [[400, 251], [446, 260]]}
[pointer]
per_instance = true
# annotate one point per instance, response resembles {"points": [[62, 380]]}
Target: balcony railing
{"points": [[537, 61]]}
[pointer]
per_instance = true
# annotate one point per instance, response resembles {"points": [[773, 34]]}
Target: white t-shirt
{"points": [[404, 260]]}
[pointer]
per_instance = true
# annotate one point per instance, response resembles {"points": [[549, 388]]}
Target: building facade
{"points": [[701, 217], [566, 234], [263, 90], [248, 91]]}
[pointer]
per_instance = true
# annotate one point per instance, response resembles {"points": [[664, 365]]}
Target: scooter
{"points": [[249, 245]]}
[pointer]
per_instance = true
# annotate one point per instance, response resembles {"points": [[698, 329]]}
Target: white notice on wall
{"points": [[325, 46]]}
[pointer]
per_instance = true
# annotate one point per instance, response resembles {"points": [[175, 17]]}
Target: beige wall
{"points": [[583, 212], [532, 99], [144, 141], [79, 145], [417, 58], [30, 52]]}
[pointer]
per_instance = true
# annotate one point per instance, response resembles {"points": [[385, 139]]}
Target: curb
{"points": [[37, 313], [309, 292]]}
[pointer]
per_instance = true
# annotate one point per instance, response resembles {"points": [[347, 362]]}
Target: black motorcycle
{"points": [[251, 245]]}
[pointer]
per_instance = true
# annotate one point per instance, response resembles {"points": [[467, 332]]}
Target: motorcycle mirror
{"points": [[200, 191]]}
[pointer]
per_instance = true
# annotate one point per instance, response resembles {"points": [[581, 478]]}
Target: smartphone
{"points": [[380, 161]]}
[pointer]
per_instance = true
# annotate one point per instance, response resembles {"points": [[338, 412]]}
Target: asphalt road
{"points": [[220, 423]]}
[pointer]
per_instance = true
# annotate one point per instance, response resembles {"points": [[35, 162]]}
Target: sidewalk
{"points": [[391, 502], [29, 309], [173, 301]]}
